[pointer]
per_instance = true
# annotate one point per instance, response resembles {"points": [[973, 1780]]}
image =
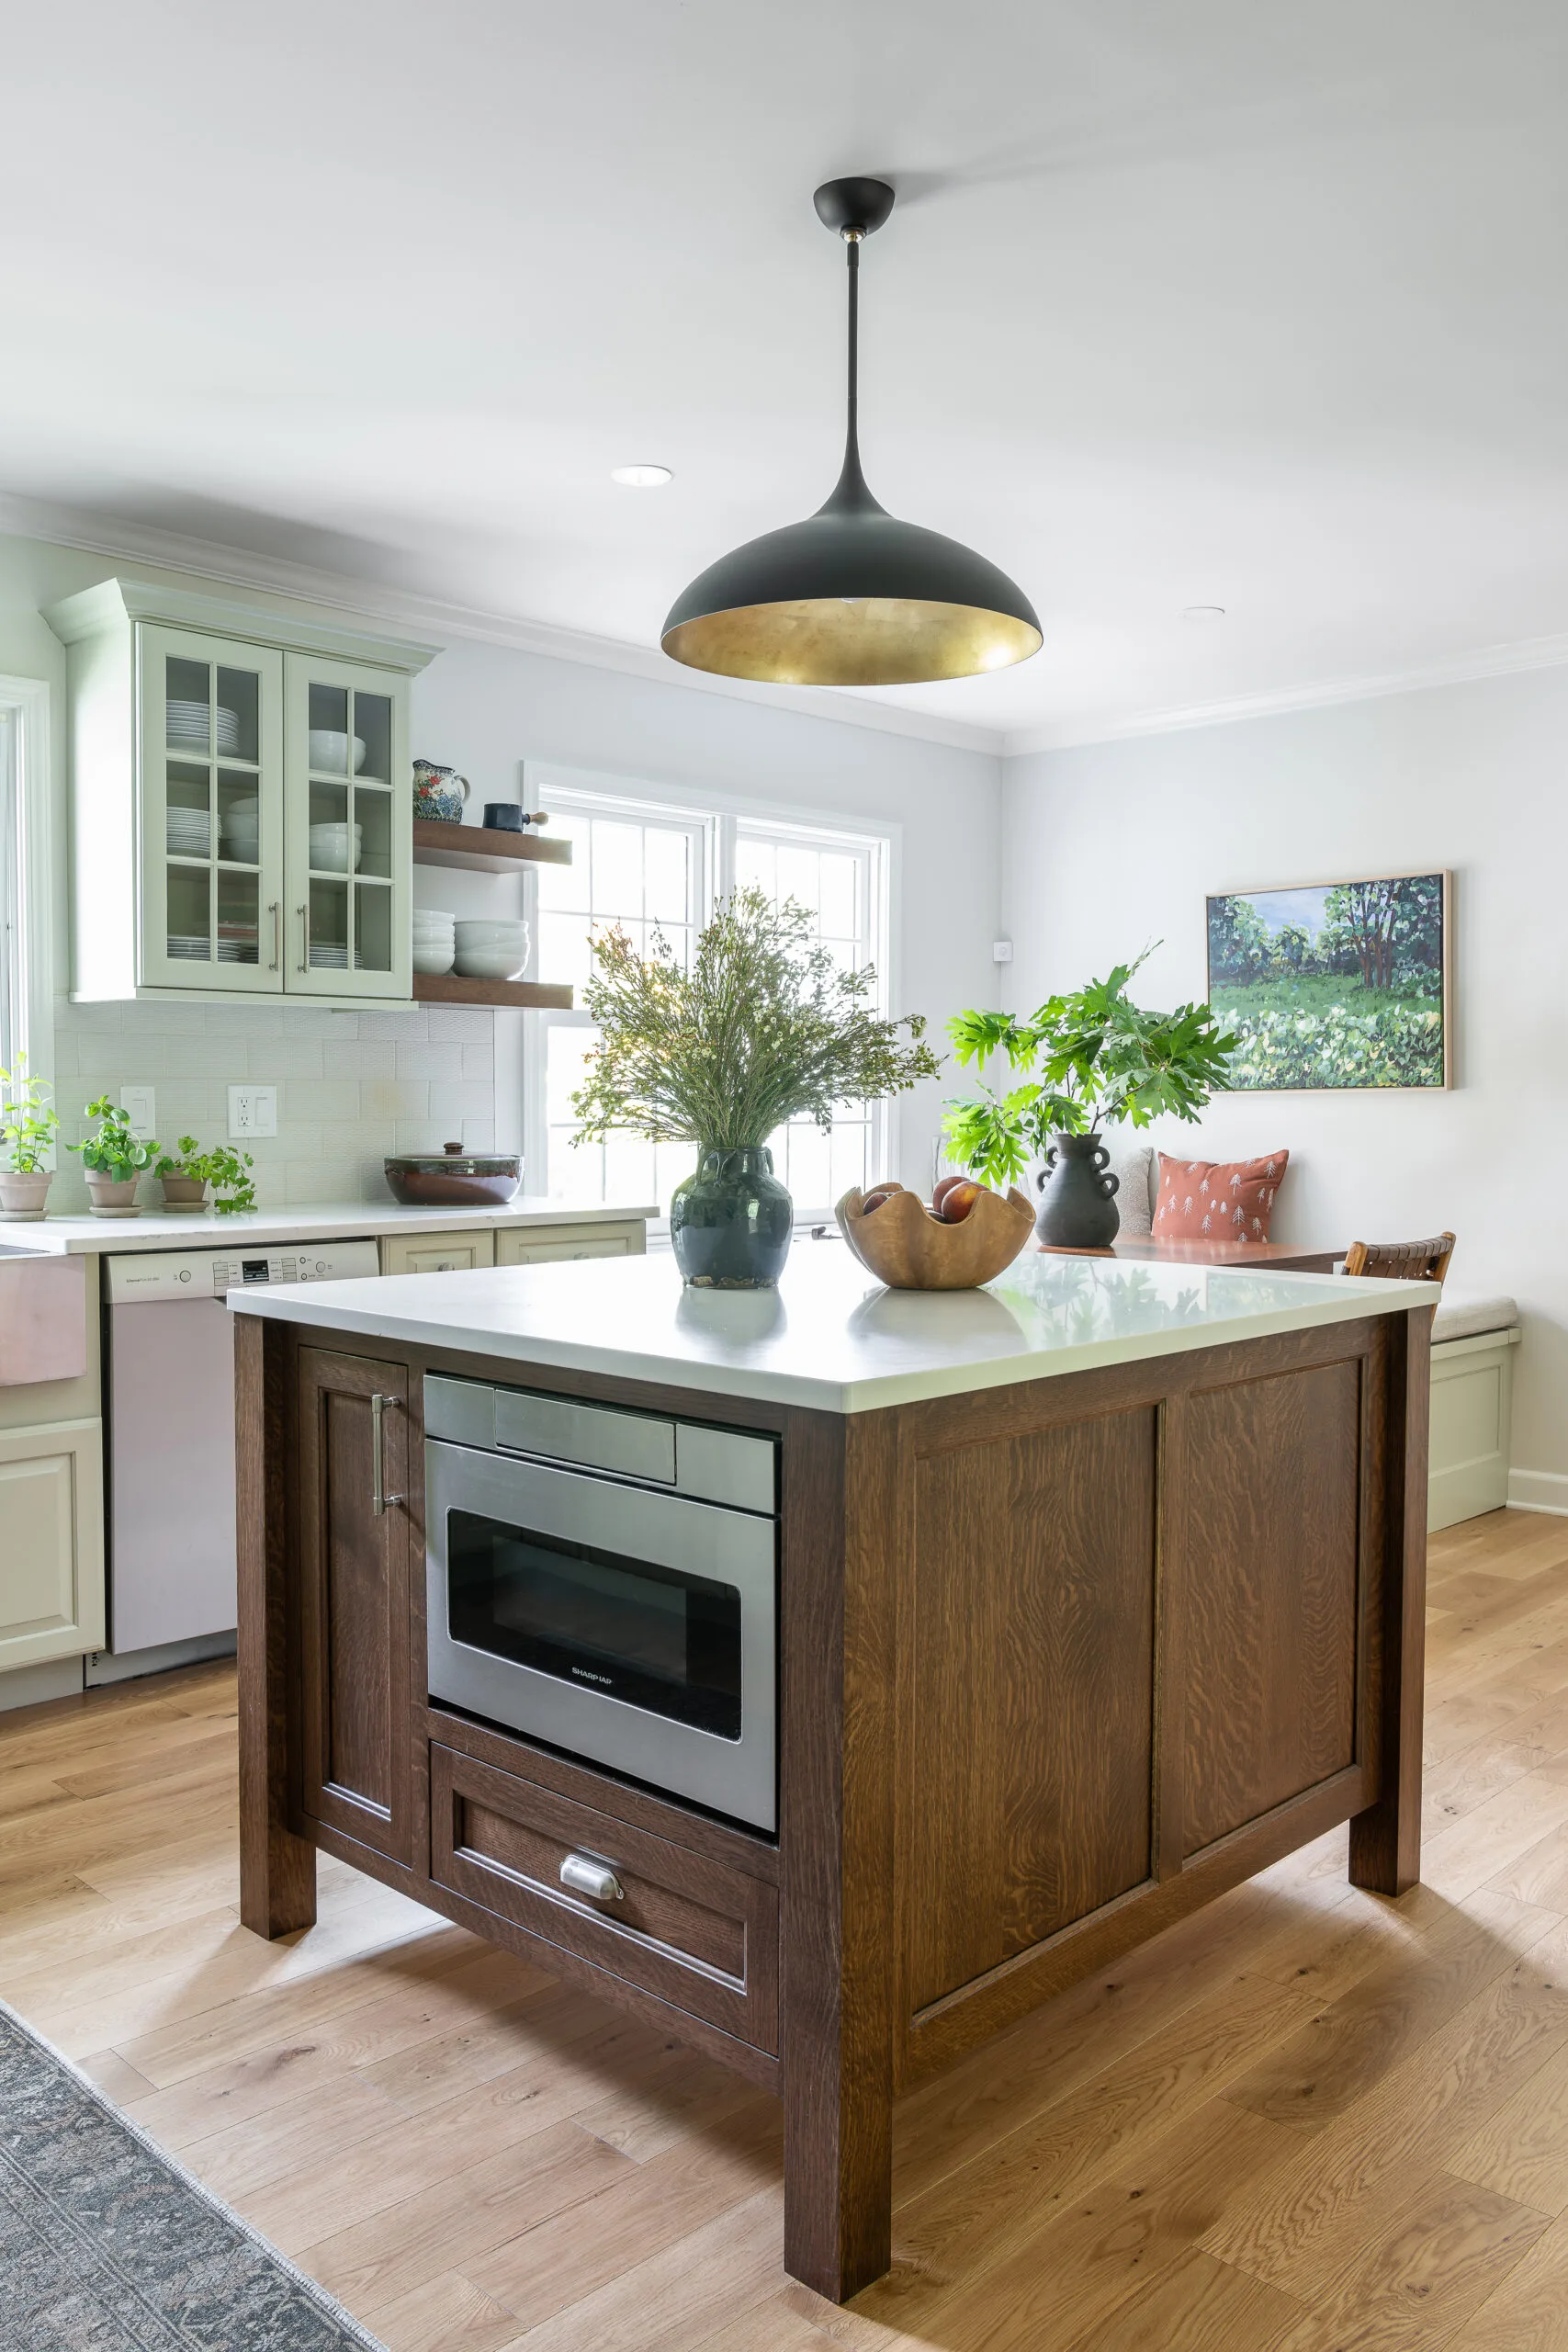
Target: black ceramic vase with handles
{"points": [[1077, 1207], [730, 1223]]}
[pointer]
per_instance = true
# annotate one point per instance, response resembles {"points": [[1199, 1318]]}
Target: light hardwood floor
{"points": [[1305, 2119]]}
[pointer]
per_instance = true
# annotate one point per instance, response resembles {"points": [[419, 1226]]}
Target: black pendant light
{"points": [[851, 597]]}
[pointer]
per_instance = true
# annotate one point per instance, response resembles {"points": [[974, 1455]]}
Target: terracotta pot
{"points": [[113, 1196], [23, 1195], [184, 1195]]}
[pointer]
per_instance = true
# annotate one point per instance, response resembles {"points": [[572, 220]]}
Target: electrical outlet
{"points": [[252, 1111], [1001, 951], [140, 1107]]}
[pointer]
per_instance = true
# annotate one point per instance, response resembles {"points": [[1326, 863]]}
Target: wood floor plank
{"points": [[658, 2305], [1528, 2312], [456, 2219], [1449, 2247], [1351, 2175], [1196, 2306], [1521, 2148]]}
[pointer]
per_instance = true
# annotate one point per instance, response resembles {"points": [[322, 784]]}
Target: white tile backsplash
{"points": [[346, 1099]]}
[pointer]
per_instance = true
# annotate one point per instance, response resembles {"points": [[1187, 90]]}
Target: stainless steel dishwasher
{"points": [[169, 1388]]}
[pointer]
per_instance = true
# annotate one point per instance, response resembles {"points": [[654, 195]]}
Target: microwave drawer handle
{"points": [[586, 1875], [379, 1497]]}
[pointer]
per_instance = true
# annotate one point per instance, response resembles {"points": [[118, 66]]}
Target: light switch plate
{"points": [[140, 1104], [252, 1111]]}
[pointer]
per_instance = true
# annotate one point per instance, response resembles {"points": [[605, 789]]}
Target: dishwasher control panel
{"points": [[212, 1273]]}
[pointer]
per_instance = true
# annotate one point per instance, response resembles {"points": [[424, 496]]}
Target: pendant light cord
{"points": [[850, 494]]}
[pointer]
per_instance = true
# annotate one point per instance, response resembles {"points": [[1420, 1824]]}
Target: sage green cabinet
{"points": [[242, 801]]}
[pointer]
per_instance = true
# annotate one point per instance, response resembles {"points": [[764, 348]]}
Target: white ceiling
{"points": [[1259, 303]]}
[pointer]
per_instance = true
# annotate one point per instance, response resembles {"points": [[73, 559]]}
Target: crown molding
{"points": [[233, 567], [1460, 669]]}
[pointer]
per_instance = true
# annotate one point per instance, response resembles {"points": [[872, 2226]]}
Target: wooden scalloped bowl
{"points": [[903, 1245]]}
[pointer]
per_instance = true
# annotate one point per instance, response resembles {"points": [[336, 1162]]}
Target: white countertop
{"points": [[340, 1221], [831, 1337]]}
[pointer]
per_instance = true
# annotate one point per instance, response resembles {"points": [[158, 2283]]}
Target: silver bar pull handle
{"points": [[275, 912], [380, 1500], [585, 1874], [305, 935]]}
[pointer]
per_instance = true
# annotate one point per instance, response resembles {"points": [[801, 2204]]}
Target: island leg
{"points": [[1385, 1840], [278, 1870], [836, 1852]]}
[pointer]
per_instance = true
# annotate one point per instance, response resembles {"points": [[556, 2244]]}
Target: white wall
{"points": [[482, 708], [1111, 845]]}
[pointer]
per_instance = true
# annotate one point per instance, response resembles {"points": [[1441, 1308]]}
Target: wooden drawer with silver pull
{"points": [[678, 1924]]}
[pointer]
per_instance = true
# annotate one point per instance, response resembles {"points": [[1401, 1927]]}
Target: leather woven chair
{"points": [[1408, 1261]]}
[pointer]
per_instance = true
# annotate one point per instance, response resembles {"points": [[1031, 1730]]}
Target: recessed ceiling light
{"points": [[641, 477], [1203, 613]]}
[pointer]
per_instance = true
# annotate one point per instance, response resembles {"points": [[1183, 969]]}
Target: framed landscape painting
{"points": [[1335, 984]]}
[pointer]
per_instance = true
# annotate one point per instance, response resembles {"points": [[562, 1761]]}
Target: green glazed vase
{"points": [[730, 1223]]}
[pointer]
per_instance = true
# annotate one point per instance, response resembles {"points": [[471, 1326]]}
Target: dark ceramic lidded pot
{"points": [[458, 1179], [730, 1223], [1077, 1208]]}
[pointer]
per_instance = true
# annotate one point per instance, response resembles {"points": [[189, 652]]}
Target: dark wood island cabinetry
{"points": [[1101, 1623]]}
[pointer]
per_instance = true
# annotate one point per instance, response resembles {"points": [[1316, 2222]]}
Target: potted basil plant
{"points": [[1087, 1061], [28, 1122], [763, 1025], [112, 1160], [185, 1178]]}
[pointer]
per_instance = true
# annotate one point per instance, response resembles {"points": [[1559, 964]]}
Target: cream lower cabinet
{"points": [[435, 1253], [51, 1543], [538, 1245]]}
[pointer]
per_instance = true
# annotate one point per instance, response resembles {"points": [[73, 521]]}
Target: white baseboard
{"points": [[1538, 1491]]}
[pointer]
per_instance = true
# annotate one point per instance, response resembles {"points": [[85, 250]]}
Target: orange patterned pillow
{"points": [[1217, 1200]]}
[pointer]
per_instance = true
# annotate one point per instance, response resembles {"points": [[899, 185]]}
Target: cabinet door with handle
{"points": [[211, 824], [354, 1599], [348, 831]]}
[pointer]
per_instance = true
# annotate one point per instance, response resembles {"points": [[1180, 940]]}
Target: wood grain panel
{"points": [[1273, 1473], [355, 1602], [1385, 1841], [1030, 1742], [684, 1927], [277, 1868]]}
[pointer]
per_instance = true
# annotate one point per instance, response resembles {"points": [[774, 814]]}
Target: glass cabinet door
{"points": [[349, 831], [211, 835]]}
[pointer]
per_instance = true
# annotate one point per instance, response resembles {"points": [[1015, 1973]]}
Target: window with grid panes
{"points": [[642, 865]]}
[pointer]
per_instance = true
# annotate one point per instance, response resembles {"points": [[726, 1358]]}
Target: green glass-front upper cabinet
{"points": [[242, 801]]}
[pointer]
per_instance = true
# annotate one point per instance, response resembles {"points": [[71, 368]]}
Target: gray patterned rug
{"points": [[107, 2245]]}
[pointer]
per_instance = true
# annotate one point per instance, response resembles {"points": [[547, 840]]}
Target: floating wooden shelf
{"points": [[483, 850], [451, 988]]}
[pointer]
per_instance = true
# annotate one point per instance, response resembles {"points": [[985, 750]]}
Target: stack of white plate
{"points": [[190, 947], [241, 833], [330, 851], [189, 831], [434, 940], [492, 951], [328, 955], [186, 725]]}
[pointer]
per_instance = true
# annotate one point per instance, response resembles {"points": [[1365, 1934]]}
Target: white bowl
{"points": [[431, 959], [329, 751], [491, 934], [330, 849], [491, 963]]}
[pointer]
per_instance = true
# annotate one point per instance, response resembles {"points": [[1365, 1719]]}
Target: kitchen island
{"points": [[1084, 1597]]}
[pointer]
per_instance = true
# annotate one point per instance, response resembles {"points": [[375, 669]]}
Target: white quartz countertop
{"points": [[831, 1337], [338, 1221]]}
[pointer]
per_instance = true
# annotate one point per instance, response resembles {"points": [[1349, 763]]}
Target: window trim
{"points": [[552, 785], [28, 876]]}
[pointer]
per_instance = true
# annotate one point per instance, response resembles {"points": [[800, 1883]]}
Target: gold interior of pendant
{"points": [[851, 642]]}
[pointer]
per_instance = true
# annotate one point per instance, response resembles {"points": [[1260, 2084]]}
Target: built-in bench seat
{"points": [[1472, 1343]]}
